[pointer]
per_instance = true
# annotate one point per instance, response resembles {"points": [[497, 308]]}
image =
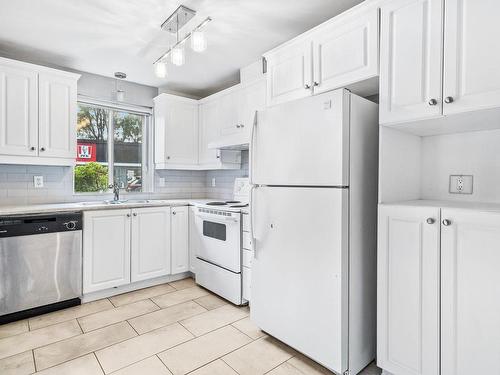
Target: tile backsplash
{"points": [[16, 184]]}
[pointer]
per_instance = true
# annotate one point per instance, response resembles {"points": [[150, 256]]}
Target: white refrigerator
{"points": [[314, 167]]}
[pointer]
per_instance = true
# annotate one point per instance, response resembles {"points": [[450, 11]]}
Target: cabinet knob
{"points": [[32, 148], [128, 215], [42, 148], [430, 220], [446, 222], [174, 213], [135, 214], [218, 156], [242, 126], [433, 102], [316, 83], [168, 157], [307, 87], [449, 99], [238, 126]]}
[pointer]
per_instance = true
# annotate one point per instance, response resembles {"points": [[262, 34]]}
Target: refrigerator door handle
{"points": [[252, 145], [252, 215]]}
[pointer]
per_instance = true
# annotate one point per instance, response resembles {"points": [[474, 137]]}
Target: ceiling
{"points": [[104, 36]]}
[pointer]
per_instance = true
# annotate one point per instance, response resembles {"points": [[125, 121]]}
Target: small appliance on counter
{"points": [[218, 226], [40, 264]]}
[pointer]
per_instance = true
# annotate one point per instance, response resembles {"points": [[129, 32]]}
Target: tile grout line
{"points": [[84, 354], [158, 295], [131, 326], [99, 363], [33, 356]]}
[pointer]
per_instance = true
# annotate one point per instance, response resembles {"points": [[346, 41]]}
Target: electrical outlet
{"points": [[213, 181], [38, 181], [161, 181], [461, 184]]}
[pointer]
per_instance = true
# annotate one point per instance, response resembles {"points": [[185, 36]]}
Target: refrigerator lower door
{"points": [[299, 274], [303, 143]]}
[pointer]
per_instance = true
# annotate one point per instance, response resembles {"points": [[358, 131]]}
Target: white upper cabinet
{"points": [[228, 113], [37, 114], [411, 60], [408, 290], [150, 239], [289, 72], [180, 239], [342, 52], [209, 132], [176, 132], [18, 111], [345, 51], [252, 99], [57, 121], [471, 55], [470, 293]]}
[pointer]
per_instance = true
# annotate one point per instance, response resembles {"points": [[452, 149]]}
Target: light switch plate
{"points": [[38, 181], [461, 184], [161, 181]]}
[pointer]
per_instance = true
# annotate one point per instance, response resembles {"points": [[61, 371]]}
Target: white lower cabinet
{"points": [[180, 239], [438, 294], [131, 245], [106, 249], [470, 292], [408, 290], [150, 243]]}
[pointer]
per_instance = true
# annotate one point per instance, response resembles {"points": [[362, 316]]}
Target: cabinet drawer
{"points": [[246, 222], [247, 280], [247, 258], [247, 241]]}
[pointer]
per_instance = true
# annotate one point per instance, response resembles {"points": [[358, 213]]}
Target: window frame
{"points": [[147, 143]]}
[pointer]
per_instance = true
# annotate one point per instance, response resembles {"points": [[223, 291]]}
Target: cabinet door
{"points": [[346, 51], [472, 55], [180, 239], [106, 249], [181, 132], [408, 290], [194, 239], [18, 111], [470, 294], [228, 113], [57, 120], [411, 60], [150, 243], [209, 132], [252, 98], [289, 72]]}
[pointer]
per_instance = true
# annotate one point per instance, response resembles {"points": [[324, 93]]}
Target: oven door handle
{"points": [[217, 219]]}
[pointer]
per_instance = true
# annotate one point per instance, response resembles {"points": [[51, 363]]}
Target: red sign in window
{"points": [[86, 152]]}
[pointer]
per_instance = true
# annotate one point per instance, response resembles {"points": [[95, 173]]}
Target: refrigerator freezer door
{"points": [[299, 274], [303, 142]]}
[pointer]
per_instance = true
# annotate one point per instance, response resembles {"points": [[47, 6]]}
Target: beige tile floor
{"points": [[176, 328]]}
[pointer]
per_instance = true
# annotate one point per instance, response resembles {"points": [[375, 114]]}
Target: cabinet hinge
{"points": [[264, 65], [347, 372]]}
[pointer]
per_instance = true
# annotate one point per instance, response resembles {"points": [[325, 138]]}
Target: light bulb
{"points": [[198, 41], [161, 69], [177, 55]]}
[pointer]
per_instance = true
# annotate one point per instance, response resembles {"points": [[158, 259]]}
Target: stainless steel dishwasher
{"points": [[40, 264]]}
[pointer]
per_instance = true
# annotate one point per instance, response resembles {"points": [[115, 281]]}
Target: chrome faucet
{"points": [[116, 191]]}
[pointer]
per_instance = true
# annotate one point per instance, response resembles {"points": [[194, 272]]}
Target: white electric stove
{"points": [[219, 228]]}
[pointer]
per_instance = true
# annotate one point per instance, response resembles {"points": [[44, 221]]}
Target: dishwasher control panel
{"points": [[24, 225]]}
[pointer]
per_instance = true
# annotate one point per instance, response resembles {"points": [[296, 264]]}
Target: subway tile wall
{"points": [[16, 184]]}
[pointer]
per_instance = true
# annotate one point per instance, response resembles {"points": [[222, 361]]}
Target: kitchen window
{"points": [[112, 147]]}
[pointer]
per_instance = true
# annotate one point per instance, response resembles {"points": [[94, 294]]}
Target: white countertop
{"points": [[93, 206]]}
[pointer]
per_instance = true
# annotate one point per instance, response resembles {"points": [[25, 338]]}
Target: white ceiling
{"points": [[104, 36]]}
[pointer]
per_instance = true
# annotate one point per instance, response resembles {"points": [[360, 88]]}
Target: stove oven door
{"points": [[220, 239]]}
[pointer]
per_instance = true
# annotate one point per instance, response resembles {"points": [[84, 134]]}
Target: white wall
{"points": [[475, 153]]}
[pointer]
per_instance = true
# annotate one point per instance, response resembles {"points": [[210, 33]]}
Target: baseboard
{"points": [[133, 286]]}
